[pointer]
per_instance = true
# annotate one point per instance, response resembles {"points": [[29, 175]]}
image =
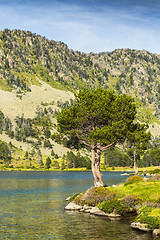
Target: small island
{"points": [[137, 198]]}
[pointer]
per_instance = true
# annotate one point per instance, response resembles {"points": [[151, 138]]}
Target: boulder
{"points": [[141, 226], [94, 210], [156, 232], [73, 206], [98, 212], [86, 207]]}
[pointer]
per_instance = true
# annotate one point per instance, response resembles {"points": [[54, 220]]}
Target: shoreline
{"points": [[127, 170], [123, 201]]}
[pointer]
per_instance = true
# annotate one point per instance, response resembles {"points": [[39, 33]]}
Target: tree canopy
{"points": [[98, 116], [99, 119]]}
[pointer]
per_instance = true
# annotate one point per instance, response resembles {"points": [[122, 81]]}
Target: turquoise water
{"points": [[32, 207]]}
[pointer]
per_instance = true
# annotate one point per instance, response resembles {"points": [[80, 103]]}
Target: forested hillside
{"points": [[27, 57], [32, 68]]}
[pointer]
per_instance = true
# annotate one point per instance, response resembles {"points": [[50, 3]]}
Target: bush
{"points": [[133, 179], [94, 196], [146, 217], [132, 200], [114, 205], [73, 197], [155, 171]]}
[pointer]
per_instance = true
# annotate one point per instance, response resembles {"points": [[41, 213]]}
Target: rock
{"points": [[156, 232], [87, 207], [73, 206], [67, 199], [82, 210], [94, 210], [87, 211], [114, 215], [141, 226], [98, 212], [101, 213]]}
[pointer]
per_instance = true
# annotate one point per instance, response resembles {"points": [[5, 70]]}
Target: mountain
{"points": [[38, 75]]}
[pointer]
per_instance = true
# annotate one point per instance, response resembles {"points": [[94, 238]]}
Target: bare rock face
{"points": [[141, 226], [73, 206]]}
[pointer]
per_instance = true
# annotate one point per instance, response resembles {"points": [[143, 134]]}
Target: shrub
{"points": [[155, 171], [114, 205], [132, 200], [95, 195], [73, 197], [146, 217], [152, 222], [133, 179]]}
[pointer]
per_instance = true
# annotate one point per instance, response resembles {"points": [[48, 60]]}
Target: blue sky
{"points": [[88, 25]]}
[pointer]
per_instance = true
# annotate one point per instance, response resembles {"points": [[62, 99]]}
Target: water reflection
{"points": [[32, 207]]}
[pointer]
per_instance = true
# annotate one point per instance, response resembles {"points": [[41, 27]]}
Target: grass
{"points": [[147, 190], [112, 82], [4, 86], [149, 216], [140, 198]]}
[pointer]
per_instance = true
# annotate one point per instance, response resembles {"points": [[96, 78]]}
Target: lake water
{"points": [[32, 207]]}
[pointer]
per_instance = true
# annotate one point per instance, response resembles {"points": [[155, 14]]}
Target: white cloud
{"points": [[84, 29]]}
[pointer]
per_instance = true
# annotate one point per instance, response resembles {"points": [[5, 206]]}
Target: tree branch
{"points": [[108, 146], [83, 141]]}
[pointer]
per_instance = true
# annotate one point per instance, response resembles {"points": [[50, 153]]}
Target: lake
{"points": [[32, 207]]}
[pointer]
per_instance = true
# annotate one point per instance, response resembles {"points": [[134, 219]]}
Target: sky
{"points": [[88, 25]]}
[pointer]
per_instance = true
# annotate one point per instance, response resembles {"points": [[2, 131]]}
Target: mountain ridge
{"points": [[29, 61]]}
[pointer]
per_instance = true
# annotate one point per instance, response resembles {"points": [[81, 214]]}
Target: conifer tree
{"points": [[99, 120]]}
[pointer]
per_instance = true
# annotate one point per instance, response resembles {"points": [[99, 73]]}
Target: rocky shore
{"points": [[91, 210], [106, 202], [72, 206]]}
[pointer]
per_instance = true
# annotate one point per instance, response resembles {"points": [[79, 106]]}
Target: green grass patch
{"points": [[3, 85], [150, 216], [114, 205], [146, 190], [73, 197], [112, 82]]}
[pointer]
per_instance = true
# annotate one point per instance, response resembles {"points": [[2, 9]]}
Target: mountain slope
{"points": [[33, 68]]}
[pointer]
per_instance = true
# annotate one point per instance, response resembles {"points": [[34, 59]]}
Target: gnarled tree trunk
{"points": [[96, 154]]}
